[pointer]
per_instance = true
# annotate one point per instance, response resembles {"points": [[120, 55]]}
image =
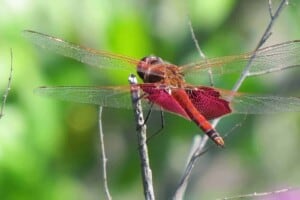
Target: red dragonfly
{"points": [[165, 86]]}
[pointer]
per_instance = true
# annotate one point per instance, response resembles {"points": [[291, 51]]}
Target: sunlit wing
{"points": [[254, 104], [115, 97], [119, 97], [110, 96], [213, 102], [260, 104], [89, 56], [273, 58], [269, 59]]}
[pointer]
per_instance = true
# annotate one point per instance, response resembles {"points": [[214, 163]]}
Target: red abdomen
{"points": [[184, 100], [179, 102]]}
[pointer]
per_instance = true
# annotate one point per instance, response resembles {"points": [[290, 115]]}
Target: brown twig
{"points": [[104, 158], [191, 163], [5, 95], [142, 139]]}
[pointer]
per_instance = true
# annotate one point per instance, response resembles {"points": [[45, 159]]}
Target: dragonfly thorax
{"points": [[153, 69]]}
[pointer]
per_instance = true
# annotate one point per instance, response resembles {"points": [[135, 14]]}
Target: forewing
{"points": [[273, 58], [89, 56]]}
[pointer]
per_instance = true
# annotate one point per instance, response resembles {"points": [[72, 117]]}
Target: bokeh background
{"points": [[50, 149]]}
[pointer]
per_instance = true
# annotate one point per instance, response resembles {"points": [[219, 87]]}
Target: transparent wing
{"points": [[269, 59], [119, 97], [260, 104], [89, 56], [116, 97]]}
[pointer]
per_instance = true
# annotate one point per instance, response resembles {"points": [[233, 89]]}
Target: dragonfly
{"points": [[164, 83]]}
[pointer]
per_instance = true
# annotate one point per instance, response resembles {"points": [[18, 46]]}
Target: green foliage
{"points": [[50, 149]]}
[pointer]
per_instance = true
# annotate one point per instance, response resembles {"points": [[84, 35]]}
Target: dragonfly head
{"points": [[149, 69]]}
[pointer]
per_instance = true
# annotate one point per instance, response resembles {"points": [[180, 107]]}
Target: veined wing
{"points": [[214, 102], [211, 102], [269, 59], [116, 96], [110, 96], [89, 56], [260, 104]]}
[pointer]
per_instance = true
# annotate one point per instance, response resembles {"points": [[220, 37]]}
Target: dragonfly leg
{"points": [[148, 114], [162, 120]]}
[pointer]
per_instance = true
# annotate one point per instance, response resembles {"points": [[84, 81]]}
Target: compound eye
{"points": [[152, 60], [147, 70]]}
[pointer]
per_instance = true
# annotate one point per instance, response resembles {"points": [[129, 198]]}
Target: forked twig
{"points": [[263, 39], [103, 154], [142, 139], [5, 95], [191, 163]]}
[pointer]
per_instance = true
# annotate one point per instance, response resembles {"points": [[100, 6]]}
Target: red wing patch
{"points": [[208, 102]]}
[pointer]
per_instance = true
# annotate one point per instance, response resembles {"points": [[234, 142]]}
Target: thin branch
{"points": [[179, 194], [142, 139], [270, 8], [185, 178], [192, 160], [104, 158], [5, 95], [263, 39], [273, 194], [201, 53]]}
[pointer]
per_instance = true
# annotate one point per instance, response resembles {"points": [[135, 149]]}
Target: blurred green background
{"points": [[50, 149]]}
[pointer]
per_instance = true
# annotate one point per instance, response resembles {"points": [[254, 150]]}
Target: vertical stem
{"points": [[104, 159], [201, 54], [5, 95], [142, 138]]}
